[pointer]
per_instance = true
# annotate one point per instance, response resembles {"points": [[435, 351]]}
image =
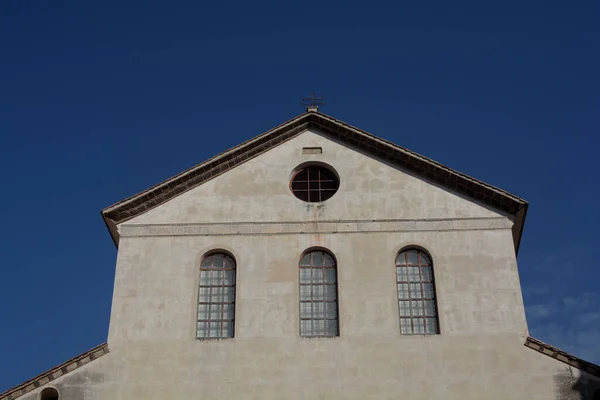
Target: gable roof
{"points": [[350, 136], [55, 373]]}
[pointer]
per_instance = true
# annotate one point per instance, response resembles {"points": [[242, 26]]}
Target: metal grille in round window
{"points": [[314, 184]]}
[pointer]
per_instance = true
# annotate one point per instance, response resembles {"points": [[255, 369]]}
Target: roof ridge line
{"points": [[424, 158], [213, 158]]}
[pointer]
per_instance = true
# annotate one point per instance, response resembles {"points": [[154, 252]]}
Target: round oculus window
{"points": [[314, 183]]}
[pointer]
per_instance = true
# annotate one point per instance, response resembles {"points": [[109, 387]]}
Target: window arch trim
{"points": [[318, 248], [217, 250]]}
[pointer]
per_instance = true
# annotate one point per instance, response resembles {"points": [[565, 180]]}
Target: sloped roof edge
{"points": [[560, 355], [353, 137], [55, 373]]}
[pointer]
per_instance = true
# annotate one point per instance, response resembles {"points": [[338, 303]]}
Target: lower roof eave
{"points": [[562, 356], [47, 377]]}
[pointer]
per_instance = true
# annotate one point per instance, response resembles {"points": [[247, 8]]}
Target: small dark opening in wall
{"points": [[312, 150], [597, 395], [49, 394]]}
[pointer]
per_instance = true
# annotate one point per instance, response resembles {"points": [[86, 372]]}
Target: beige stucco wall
{"points": [[479, 353], [155, 295]]}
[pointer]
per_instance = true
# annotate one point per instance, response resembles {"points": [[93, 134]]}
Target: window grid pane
{"points": [[216, 298], [314, 184], [416, 294], [318, 295]]}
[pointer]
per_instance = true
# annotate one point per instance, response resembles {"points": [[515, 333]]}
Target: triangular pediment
{"points": [[342, 134]]}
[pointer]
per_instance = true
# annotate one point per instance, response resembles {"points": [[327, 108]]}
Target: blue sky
{"points": [[100, 101]]}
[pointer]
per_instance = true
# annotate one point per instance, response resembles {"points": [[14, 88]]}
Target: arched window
{"points": [[49, 393], [216, 297], [416, 293], [318, 295]]}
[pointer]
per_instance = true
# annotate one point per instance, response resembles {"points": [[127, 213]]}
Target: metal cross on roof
{"points": [[312, 102]]}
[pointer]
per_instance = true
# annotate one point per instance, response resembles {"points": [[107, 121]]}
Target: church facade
{"points": [[318, 261]]}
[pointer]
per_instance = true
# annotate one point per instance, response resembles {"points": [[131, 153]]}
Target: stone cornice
{"points": [[312, 227]]}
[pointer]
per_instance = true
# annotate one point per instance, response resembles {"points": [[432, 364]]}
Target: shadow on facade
{"points": [[571, 387]]}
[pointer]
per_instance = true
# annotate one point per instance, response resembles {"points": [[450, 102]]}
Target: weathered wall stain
{"points": [[571, 384]]}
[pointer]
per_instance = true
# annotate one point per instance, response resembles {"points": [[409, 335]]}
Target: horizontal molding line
{"points": [[321, 227]]}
